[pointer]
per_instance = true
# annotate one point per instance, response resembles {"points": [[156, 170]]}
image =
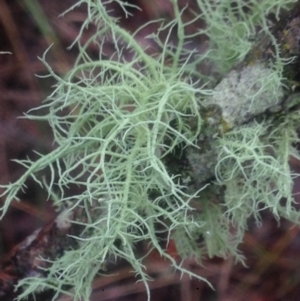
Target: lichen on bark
{"points": [[153, 147]]}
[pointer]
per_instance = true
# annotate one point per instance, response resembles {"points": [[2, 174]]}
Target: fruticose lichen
{"points": [[111, 120]]}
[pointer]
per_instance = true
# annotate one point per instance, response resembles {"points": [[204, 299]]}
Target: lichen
{"points": [[247, 92], [117, 133], [253, 164]]}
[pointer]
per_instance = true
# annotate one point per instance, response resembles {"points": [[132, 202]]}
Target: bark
{"points": [[25, 259], [233, 108], [220, 115]]}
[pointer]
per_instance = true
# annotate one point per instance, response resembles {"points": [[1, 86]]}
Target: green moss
{"points": [[116, 131]]}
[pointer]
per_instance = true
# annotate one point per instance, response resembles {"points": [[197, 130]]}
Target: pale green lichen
{"points": [[253, 164], [231, 25], [113, 143], [246, 93]]}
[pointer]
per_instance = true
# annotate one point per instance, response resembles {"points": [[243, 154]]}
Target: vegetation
{"points": [[112, 119]]}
